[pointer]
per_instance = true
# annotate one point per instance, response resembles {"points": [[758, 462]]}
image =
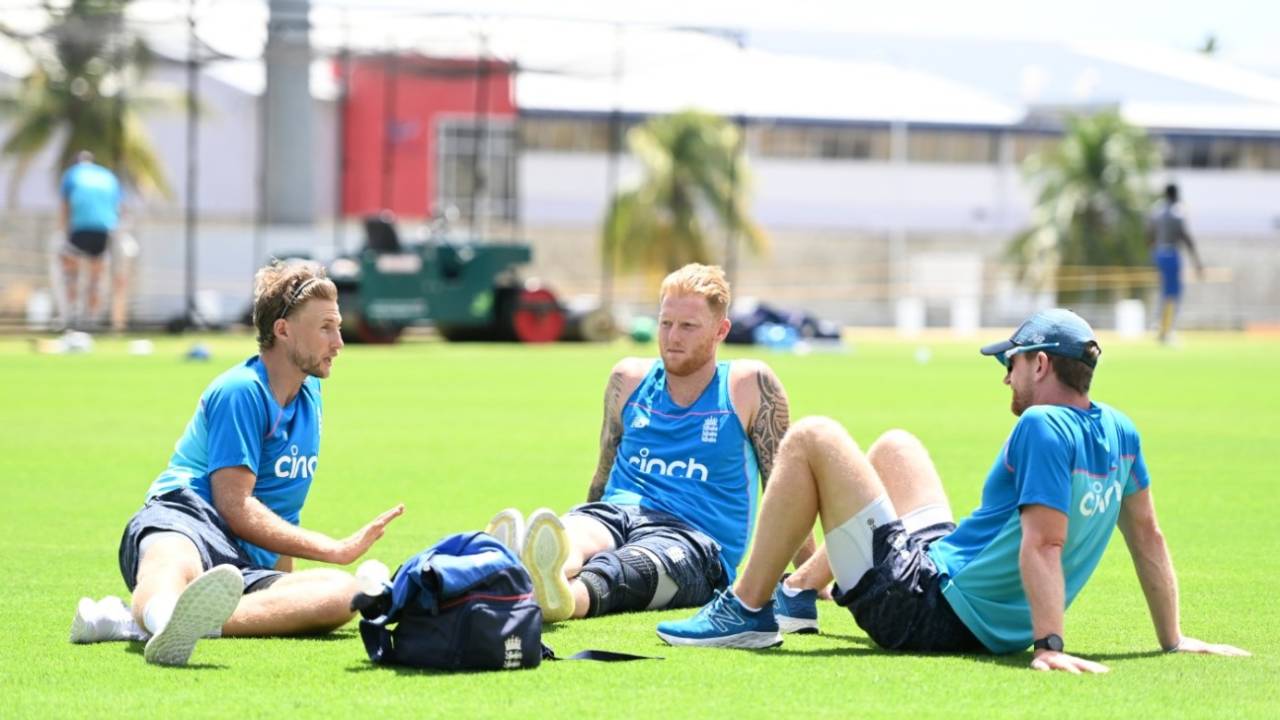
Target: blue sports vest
{"points": [[693, 462]]}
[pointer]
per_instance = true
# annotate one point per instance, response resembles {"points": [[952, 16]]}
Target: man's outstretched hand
{"points": [[1050, 660], [350, 549], [1192, 645]]}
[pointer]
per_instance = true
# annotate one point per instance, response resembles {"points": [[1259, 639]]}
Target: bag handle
{"points": [[597, 655], [377, 641]]}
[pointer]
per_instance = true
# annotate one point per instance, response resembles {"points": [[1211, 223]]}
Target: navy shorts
{"points": [[183, 511], [89, 243], [899, 602], [689, 556]]}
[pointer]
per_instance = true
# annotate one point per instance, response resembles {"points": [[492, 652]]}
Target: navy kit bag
{"points": [[465, 603]]}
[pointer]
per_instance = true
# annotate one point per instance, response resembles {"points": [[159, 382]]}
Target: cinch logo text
{"points": [[1097, 501], [690, 468], [294, 465]]}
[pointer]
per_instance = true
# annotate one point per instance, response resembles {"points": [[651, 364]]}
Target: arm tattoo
{"points": [[610, 437], [771, 422]]}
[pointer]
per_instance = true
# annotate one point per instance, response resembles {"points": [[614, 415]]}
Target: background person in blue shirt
{"points": [[1069, 473], [90, 213], [1167, 237], [685, 444], [212, 550]]}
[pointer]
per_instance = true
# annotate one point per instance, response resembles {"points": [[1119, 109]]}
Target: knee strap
{"points": [[625, 580], [666, 587]]}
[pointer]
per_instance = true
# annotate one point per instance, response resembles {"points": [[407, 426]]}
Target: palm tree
{"points": [[1087, 224], [82, 89], [692, 170]]}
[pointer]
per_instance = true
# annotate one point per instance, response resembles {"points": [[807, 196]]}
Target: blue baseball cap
{"points": [[1058, 332]]}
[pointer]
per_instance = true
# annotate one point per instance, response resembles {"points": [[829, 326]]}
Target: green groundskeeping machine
{"points": [[468, 291]]}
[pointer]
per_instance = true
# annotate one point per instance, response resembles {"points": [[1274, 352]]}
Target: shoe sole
{"points": [[508, 527], [203, 607], [797, 626], [546, 548], [752, 640]]}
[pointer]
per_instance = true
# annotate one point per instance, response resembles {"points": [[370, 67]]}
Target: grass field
{"points": [[458, 432]]}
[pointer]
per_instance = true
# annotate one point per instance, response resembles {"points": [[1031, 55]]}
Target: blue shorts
{"points": [[184, 512], [1170, 267], [689, 556], [899, 602]]}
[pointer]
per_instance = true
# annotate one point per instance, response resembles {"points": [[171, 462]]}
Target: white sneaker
{"points": [[105, 620], [546, 548], [508, 527], [84, 625], [202, 608]]}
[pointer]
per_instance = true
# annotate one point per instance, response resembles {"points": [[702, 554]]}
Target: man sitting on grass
{"points": [[211, 552], [669, 511], [1070, 471]]}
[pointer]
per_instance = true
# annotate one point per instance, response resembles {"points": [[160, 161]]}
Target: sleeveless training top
{"points": [[694, 462]]}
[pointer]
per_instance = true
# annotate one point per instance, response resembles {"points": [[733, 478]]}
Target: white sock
{"points": [[116, 621], [849, 545], [748, 607], [155, 616], [127, 629], [791, 591]]}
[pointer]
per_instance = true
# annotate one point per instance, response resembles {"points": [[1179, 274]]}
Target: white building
{"points": [[883, 167]]}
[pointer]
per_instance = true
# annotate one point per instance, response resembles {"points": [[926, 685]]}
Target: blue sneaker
{"points": [[796, 613], [723, 622]]}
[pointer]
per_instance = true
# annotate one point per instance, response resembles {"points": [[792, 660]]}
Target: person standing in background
{"points": [[90, 213], [1166, 236]]}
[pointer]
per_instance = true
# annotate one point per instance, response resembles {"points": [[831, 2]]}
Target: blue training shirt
{"points": [[693, 462], [1079, 462], [239, 423], [92, 193]]}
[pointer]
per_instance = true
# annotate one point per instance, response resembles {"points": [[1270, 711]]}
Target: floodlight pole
{"points": [[480, 145], [731, 239], [262, 198], [118, 106], [191, 317], [607, 260], [344, 97], [390, 95]]}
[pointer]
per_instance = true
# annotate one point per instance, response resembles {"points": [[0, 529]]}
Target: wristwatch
{"points": [[1052, 641]]}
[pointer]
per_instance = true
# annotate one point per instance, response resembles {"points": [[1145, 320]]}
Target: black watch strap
{"points": [[1052, 641]]}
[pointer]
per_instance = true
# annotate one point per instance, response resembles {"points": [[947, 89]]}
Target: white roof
{"points": [[598, 66], [716, 76], [1241, 118]]}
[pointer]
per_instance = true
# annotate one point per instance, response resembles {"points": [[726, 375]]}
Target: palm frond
{"points": [[1092, 196], [86, 87], [692, 172]]}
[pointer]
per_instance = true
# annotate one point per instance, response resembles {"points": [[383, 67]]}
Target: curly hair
{"points": [[282, 287]]}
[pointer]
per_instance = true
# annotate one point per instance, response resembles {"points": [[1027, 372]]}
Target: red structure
{"points": [[391, 116]]}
